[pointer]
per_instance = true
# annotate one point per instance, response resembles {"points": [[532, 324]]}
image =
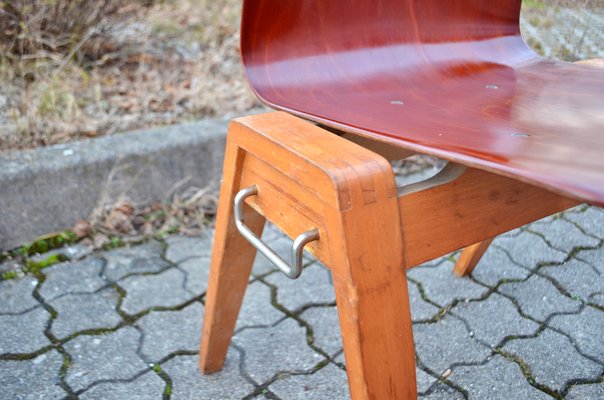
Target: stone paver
{"points": [[166, 332], [497, 266], [442, 287], [591, 221], [553, 372], [557, 232], [284, 344], [189, 384], [33, 379], [144, 258], [445, 343], [586, 392], [23, 333], [162, 290], [75, 277], [594, 257], [499, 379], [79, 312], [325, 327], [529, 249], [313, 287], [503, 317], [538, 298], [181, 248], [420, 309], [197, 271], [16, 295], [256, 309], [585, 329], [580, 279], [147, 386], [328, 383], [104, 357]]}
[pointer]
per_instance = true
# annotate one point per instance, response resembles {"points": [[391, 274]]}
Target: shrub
{"points": [[29, 27]]}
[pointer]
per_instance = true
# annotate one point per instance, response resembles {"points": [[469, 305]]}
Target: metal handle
{"points": [[294, 270]]}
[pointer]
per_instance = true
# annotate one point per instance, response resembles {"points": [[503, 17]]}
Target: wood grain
{"points": [[448, 78]]}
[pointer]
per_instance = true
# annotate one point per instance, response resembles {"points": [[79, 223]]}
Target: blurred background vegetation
{"points": [[73, 69]]}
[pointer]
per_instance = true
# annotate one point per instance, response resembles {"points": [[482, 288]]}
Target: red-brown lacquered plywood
{"points": [[450, 78]]}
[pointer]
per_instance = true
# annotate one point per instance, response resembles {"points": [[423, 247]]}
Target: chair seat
{"points": [[489, 102]]}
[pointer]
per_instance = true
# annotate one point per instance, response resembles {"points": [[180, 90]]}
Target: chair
{"points": [[380, 80]]}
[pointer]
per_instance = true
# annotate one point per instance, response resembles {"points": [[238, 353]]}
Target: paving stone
{"points": [[78, 312], [502, 316], [326, 328], [328, 383], [181, 248], [147, 386], [197, 272], [16, 295], [529, 249], [559, 230], [145, 291], [165, 332], [586, 392], [441, 391], [313, 287], [23, 333], [276, 349], [440, 345], [420, 309], [591, 220], [142, 258], [595, 258], [553, 372], [73, 277], [576, 277], [538, 298], [100, 357], [257, 309], [424, 380], [32, 379], [585, 329], [189, 384], [499, 379], [442, 287], [496, 266]]}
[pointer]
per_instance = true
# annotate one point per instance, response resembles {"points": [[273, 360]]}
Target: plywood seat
{"points": [[453, 79]]}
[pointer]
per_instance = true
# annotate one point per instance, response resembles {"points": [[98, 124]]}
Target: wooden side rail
{"points": [[307, 178]]}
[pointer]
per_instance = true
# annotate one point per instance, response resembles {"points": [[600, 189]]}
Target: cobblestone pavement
{"points": [[570, 34], [125, 324]]}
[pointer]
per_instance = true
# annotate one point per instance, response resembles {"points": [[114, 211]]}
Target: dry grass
{"points": [[171, 62]]}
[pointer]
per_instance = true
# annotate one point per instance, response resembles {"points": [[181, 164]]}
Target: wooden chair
{"points": [[382, 80]]}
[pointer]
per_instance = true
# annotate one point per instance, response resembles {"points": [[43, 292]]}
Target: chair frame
{"points": [[370, 233]]}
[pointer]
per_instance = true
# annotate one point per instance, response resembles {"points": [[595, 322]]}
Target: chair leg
{"points": [[470, 257], [373, 305], [232, 259]]}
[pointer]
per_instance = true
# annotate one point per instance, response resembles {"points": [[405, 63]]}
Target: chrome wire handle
{"points": [[292, 271]]}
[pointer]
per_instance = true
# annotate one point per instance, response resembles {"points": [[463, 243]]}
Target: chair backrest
{"points": [[293, 42]]}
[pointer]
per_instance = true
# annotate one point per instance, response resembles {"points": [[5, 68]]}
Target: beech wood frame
{"points": [[307, 178]]}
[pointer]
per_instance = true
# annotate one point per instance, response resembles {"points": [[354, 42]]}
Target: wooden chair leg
{"points": [[470, 257], [232, 259], [374, 311]]}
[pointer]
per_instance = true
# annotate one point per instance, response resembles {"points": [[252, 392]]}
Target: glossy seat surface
{"points": [[449, 78]]}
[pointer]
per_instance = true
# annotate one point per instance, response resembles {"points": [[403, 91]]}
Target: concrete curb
{"points": [[48, 189]]}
